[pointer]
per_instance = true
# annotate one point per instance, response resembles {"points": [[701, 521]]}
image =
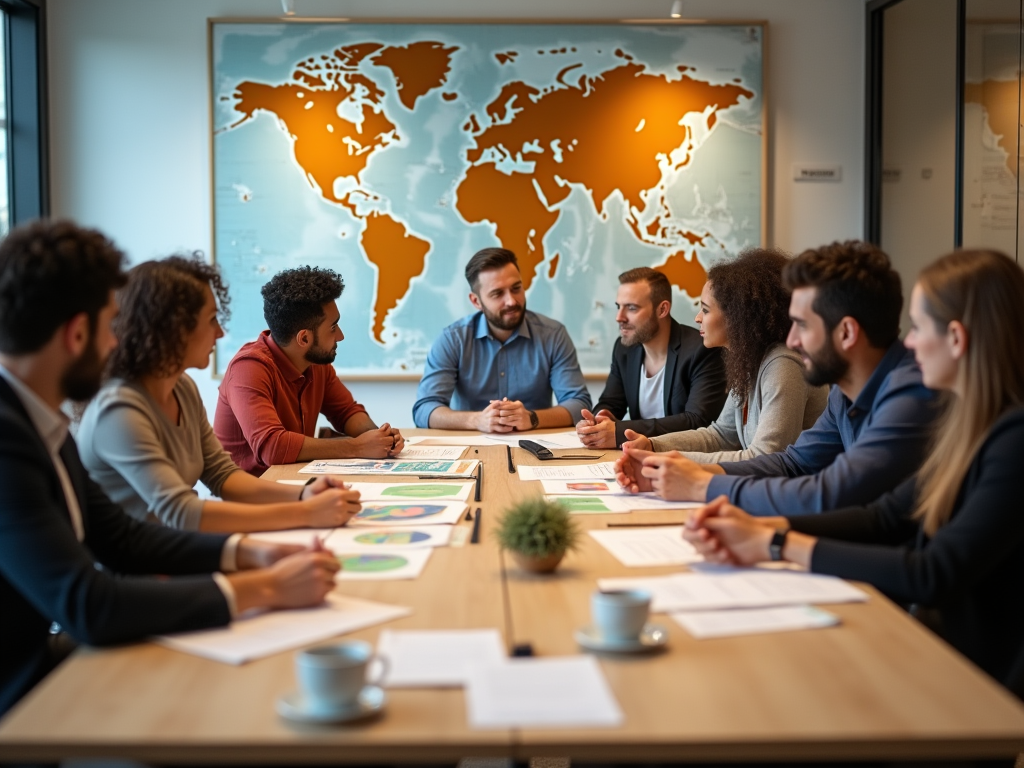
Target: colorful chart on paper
{"points": [[402, 538], [387, 512], [372, 563], [392, 152]]}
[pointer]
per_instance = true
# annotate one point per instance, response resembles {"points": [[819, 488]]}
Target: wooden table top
{"points": [[878, 686]]}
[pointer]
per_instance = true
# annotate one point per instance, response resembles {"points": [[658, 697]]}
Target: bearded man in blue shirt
{"points": [[497, 369]]}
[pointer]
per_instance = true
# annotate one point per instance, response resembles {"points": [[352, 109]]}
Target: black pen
{"points": [[511, 466], [475, 537], [479, 477]]}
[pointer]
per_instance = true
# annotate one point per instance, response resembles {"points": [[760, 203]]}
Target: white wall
{"points": [[130, 149]]}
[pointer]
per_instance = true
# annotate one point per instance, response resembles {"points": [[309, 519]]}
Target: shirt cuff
{"points": [[721, 485], [229, 555], [224, 585]]}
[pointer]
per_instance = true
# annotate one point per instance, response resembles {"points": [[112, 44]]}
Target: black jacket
{"points": [[971, 571], [47, 575], [694, 386]]}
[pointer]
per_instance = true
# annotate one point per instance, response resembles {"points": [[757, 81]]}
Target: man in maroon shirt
{"points": [[276, 387]]}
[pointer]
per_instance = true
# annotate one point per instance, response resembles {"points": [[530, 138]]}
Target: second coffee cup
{"points": [[620, 615]]}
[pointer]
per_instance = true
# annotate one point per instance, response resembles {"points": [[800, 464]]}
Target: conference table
{"points": [[876, 687]]}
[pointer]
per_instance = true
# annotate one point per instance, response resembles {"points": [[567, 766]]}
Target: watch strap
{"points": [[777, 544]]}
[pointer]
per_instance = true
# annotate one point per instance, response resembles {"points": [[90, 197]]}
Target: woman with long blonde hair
{"points": [[952, 537]]}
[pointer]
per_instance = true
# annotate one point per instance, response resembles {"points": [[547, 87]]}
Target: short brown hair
{"points": [[854, 279], [661, 288], [159, 309], [487, 259]]}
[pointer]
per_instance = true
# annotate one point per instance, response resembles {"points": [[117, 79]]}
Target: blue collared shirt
{"points": [[853, 454], [467, 368]]}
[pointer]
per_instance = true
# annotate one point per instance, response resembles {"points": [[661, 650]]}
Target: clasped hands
{"points": [[378, 443], [504, 416], [670, 475], [596, 431]]}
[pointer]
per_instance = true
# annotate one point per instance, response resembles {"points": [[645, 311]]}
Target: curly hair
{"points": [[159, 310], [51, 271], [854, 279], [755, 306], [294, 300]]}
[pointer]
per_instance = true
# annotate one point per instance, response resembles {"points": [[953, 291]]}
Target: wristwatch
{"points": [[776, 544], [534, 421]]}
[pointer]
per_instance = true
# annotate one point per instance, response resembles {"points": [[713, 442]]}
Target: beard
{"points": [[507, 319], [82, 380], [641, 333], [320, 355], [827, 367]]}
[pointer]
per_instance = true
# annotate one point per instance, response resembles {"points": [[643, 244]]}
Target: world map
{"points": [[392, 153]]}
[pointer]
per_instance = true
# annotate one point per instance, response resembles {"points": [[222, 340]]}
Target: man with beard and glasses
{"points": [[496, 370], [845, 312], [57, 527], [275, 388], [661, 373]]}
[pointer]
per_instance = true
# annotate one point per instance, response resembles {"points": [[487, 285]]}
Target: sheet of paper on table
{"points": [[428, 490], [376, 514], [553, 440], [457, 468], [656, 545], [604, 470], [256, 636], [753, 621], [292, 482], [470, 438], [392, 538], [591, 505], [414, 452], [436, 658], [382, 565], [737, 588], [568, 691], [605, 488], [301, 536]]}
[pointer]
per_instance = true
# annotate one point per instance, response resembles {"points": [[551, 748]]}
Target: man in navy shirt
{"points": [[845, 310], [496, 370]]}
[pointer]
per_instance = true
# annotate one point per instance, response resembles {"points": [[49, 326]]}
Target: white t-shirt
{"points": [[652, 400]]}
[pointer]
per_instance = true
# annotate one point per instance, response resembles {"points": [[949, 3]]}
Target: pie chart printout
{"points": [[392, 512], [395, 538], [372, 563]]}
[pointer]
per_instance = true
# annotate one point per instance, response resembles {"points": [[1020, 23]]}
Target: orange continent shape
{"points": [[684, 273], [418, 68], [999, 99], [510, 202], [399, 257], [319, 134]]}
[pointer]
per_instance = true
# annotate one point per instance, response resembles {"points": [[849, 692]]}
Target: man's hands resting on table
{"points": [[272, 575], [670, 475], [597, 431]]}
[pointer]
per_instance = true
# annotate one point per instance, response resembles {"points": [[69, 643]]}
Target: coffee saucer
{"points": [[371, 701], [651, 637]]}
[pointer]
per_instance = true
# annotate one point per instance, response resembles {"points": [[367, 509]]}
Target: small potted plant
{"points": [[538, 533]]}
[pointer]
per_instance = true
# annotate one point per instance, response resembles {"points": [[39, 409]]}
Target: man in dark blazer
{"points": [[662, 374], [68, 555]]}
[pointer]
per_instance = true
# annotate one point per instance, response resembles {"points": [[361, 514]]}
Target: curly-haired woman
{"points": [[744, 308], [145, 437]]}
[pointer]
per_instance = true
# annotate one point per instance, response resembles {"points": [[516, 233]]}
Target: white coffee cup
{"points": [[331, 676], [620, 615]]}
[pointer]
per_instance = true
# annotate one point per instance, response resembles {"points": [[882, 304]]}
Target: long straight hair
{"points": [[984, 290]]}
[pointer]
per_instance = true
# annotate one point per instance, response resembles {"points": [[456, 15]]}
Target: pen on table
{"points": [[475, 537], [511, 466], [479, 477], [645, 525]]}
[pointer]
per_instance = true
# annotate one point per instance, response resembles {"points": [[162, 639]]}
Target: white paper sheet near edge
{"points": [[552, 440], [648, 546], [590, 505], [559, 471], [382, 565], [429, 658], [254, 637], [390, 538], [570, 691], [301, 536], [470, 438], [450, 514], [738, 588], [457, 490], [753, 621], [414, 452]]}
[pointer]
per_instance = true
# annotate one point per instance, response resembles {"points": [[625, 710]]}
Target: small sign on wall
{"points": [[815, 172]]}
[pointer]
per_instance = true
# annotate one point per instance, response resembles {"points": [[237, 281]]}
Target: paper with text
{"points": [[596, 471], [436, 658], [638, 547]]}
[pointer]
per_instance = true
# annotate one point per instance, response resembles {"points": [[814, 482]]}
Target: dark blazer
{"points": [[694, 386], [47, 575], [971, 570]]}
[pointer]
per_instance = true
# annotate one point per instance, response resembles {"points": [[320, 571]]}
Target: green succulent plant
{"points": [[538, 528]]}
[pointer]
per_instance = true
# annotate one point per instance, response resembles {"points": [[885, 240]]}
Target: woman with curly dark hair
{"points": [[745, 309], [145, 437]]}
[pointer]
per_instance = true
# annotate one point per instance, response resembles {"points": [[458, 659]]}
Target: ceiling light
{"points": [[677, 9]]}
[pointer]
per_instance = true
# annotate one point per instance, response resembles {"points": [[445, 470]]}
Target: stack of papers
{"points": [[751, 621], [447, 467], [605, 496], [262, 634], [648, 546], [604, 470]]}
